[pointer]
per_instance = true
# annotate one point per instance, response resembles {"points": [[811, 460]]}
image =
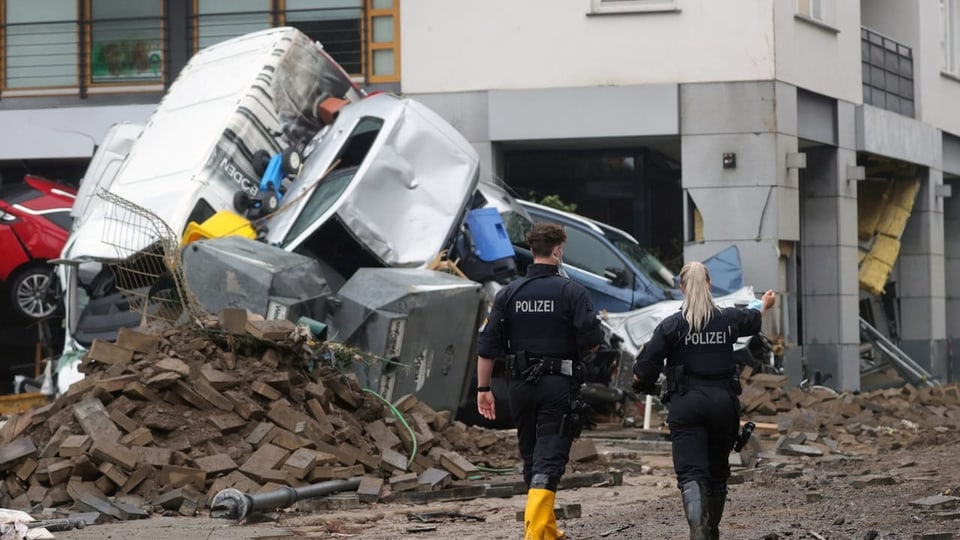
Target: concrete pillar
{"points": [[951, 244], [828, 282], [921, 280]]}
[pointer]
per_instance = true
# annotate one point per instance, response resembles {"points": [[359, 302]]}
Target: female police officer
{"points": [[702, 389], [544, 324]]}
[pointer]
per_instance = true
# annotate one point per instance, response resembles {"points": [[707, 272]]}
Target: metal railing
{"points": [[887, 73], [80, 54], [339, 30]]}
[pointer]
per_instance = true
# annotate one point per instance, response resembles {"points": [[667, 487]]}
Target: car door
{"points": [[586, 258]]}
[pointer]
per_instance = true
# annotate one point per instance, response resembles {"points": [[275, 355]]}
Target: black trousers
{"points": [[537, 410], [704, 424]]}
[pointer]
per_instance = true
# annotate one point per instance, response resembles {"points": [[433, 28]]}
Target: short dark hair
{"points": [[543, 237]]}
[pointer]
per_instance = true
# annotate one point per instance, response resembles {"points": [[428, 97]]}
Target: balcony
{"points": [[887, 73]]}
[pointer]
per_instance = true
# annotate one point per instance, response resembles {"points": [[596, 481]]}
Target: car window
{"points": [[589, 252]]}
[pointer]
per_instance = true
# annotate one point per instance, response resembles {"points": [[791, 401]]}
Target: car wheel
{"points": [[261, 159], [34, 292]]}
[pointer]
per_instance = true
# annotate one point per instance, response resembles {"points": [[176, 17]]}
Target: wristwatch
{"points": [[483, 389]]}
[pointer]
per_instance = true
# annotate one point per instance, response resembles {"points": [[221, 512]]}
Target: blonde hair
{"points": [[697, 301]]}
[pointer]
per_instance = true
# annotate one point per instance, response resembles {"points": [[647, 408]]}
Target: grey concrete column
{"points": [[921, 279], [951, 244], [829, 286]]}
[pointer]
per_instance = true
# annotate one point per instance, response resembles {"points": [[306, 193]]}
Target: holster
{"points": [[735, 384], [516, 363], [580, 416], [676, 383]]}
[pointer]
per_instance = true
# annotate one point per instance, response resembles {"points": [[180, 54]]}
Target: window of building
{"points": [[219, 20], [384, 43], [40, 42], [126, 41], [361, 35], [810, 8], [887, 73], [950, 40], [601, 7], [334, 23]]}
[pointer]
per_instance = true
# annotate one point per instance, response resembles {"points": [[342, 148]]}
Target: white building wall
{"points": [[822, 58], [463, 45], [939, 92]]}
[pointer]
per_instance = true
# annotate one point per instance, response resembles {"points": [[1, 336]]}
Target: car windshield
{"points": [[326, 193], [645, 260]]}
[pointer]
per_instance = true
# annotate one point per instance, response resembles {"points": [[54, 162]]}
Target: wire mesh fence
{"points": [[146, 268]]}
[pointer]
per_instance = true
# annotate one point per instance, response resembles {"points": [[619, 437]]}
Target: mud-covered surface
{"points": [[827, 499], [771, 506]]}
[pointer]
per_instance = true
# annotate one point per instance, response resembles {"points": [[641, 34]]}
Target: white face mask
{"points": [[559, 259]]}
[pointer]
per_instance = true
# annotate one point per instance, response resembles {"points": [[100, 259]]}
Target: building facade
{"points": [[767, 124]]}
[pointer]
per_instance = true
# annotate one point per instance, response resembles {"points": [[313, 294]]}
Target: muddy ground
{"points": [[865, 495]]}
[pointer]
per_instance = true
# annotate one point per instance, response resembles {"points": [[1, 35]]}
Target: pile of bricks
{"points": [[820, 422], [168, 418]]}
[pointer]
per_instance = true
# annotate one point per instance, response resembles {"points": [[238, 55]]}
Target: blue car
{"points": [[620, 274]]}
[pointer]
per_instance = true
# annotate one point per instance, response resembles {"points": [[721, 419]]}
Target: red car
{"points": [[34, 224]]}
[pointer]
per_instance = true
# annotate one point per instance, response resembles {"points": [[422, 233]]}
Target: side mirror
{"points": [[617, 276]]}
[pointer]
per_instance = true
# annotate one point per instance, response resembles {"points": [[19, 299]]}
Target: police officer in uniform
{"points": [[702, 388], [544, 324]]}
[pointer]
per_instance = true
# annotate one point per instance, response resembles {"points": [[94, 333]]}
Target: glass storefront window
{"points": [[126, 41], [41, 43]]}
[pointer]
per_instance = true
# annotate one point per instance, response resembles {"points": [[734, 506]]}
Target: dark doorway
{"points": [[634, 189]]}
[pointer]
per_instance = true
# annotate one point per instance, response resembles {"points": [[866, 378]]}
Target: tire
{"points": [[241, 202], [291, 161], [261, 159], [34, 292]]}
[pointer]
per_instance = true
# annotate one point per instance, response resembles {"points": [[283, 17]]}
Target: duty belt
{"points": [[722, 381], [554, 366]]}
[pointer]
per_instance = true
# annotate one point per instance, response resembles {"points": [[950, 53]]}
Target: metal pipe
{"points": [[232, 503]]}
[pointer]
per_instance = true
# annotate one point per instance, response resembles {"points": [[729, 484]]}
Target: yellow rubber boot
{"points": [[539, 521]]}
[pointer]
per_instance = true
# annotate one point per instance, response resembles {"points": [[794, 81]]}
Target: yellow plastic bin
{"points": [[223, 223]]}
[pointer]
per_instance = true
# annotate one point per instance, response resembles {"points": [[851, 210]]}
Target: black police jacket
{"points": [[547, 315], [707, 353]]}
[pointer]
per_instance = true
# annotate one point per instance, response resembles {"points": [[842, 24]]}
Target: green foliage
{"points": [[554, 201]]}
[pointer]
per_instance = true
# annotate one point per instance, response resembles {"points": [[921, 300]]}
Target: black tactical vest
{"points": [[707, 353], [538, 319]]}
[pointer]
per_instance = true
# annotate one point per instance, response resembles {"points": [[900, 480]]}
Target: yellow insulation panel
{"points": [[871, 199], [873, 274], [883, 210], [902, 195]]}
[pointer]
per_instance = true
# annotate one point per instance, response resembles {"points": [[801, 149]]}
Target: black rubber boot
{"points": [[715, 503], [695, 507]]}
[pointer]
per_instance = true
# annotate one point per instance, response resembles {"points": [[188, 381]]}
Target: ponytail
{"points": [[697, 301]]}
